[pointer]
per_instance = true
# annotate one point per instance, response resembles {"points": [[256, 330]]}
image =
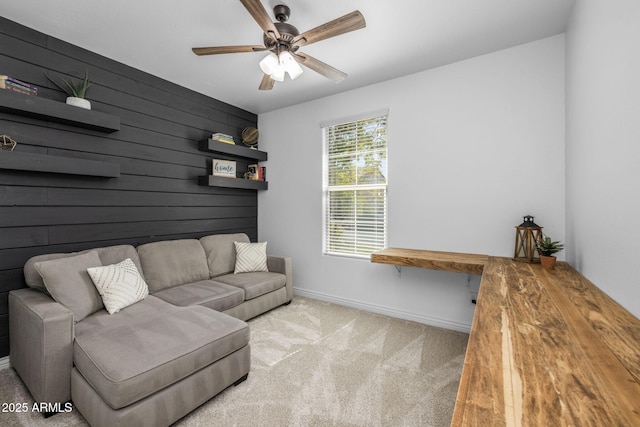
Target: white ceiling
{"points": [[401, 37]]}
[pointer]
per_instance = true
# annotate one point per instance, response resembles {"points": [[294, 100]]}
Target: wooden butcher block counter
{"points": [[546, 348]]}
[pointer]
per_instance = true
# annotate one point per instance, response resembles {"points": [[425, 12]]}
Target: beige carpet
{"points": [[320, 364]]}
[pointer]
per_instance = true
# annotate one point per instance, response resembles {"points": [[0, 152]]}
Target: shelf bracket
{"points": [[398, 269]]}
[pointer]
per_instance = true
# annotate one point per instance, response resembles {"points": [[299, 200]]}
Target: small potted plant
{"points": [[546, 248], [76, 91]]}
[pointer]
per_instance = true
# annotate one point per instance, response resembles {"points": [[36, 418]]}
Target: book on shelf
{"points": [[12, 88], [16, 81], [221, 137], [226, 141], [9, 83]]}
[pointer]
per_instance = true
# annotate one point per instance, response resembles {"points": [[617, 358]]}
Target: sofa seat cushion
{"points": [[151, 345], [255, 284], [209, 293]]}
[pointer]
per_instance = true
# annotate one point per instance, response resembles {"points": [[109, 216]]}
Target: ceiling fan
{"points": [[283, 40]]}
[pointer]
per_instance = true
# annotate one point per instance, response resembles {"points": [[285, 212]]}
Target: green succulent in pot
{"points": [[77, 89], [547, 247]]}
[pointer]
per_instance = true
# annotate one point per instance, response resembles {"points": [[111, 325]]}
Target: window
{"points": [[355, 186]]}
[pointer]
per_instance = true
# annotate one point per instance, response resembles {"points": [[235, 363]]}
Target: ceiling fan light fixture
{"points": [[277, 74], [296, 72], [269, 64], [290, 65], [275, 66]]}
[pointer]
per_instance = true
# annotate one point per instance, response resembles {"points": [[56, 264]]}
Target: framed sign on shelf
{"points": [[226, 168]]}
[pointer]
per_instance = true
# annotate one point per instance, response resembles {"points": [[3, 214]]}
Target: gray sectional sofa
{"points": [[156, 360]]}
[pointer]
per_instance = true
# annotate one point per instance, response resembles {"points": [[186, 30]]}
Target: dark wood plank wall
{"points": [[157, 195]]}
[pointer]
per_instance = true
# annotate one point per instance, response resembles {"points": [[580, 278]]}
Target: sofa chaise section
{"points": [[150, 348]]}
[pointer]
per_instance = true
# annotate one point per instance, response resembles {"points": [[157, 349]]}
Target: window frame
{"points": [[355, 250]]}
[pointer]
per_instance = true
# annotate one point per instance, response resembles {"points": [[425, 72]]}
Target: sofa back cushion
{"points": [[115, 254], [173, 262], [68, 282], [108, 255], [221, 252]]}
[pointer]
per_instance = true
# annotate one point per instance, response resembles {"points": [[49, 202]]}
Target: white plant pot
{"points": [[79, 102]]}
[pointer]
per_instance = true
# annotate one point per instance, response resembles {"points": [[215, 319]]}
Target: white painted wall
{"points": [[473, 146], [603, 146]]}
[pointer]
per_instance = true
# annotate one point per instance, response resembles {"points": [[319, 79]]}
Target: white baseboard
{"points": [[4, 362], [387, 311]]}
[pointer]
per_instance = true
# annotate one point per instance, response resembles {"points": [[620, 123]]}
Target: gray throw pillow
{"points": [[68, 282]]}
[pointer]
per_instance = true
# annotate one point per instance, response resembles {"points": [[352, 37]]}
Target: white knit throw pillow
{"points": [[119, 285], [250, 257]]}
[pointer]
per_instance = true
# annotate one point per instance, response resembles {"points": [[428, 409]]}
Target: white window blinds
{"points": [[355, 186]]}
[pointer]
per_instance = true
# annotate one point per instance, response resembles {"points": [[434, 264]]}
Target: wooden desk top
{"points": [[435, 260], [548, 348]]}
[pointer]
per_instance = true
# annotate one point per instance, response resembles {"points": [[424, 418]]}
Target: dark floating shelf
{"points": [[232, 150], [56, 164], [221, 181], [55, 111]]}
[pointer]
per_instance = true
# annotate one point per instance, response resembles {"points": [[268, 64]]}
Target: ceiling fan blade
{"points": [[226, 49], [320, 67], [266, 83], [255, 8], [347, 23]]}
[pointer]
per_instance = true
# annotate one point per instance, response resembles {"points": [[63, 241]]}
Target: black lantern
{"points": [[527, 234]]}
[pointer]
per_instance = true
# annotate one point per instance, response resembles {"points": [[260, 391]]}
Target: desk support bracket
{"points": [[399, 270]]}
